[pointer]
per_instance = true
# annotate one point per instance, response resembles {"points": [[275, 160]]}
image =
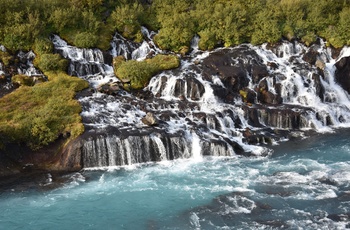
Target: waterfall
{"points": [[82, 62], [221, 103]]}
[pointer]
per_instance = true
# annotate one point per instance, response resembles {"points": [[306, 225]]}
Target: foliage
{"points": [[38, 115], [52, 62], [86, 39], [140, 72], [91, 23], [126, 19]]}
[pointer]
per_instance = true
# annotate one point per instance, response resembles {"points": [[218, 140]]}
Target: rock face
{"points": [[342, 74]]}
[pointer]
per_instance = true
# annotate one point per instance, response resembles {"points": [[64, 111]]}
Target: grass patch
{"points": [[38, 115], [140, 72]]}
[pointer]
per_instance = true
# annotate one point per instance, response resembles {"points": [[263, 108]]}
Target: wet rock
{"points": [[258, 72], [266, 97], [150, 119], [342, 74], [272, 65], [195, 88], [248, 95], [318, 86], [311, 55], [233, 66], [339, 217], [110, 88]]}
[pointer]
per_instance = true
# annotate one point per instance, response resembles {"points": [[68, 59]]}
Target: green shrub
{"points": [[86, 40], [140, 72], [125, 19], [52, 62], [43, 46]]}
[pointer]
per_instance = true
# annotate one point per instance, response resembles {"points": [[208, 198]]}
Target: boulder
{"points": [[266, 97], [110, 88], [150, 119], [311, 55]]}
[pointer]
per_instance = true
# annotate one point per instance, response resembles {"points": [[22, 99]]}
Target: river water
{"points": [[301, 185]]}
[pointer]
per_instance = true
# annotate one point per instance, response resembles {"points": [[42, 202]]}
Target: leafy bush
{"points": [[126, 19], [140, 72], [86, 39], [52, 62], [43, 46]]}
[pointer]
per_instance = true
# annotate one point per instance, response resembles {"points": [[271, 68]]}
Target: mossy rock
{"points": [[140, 72]]}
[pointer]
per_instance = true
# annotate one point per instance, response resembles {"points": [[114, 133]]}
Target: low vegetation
{"points": [[140, 72], [39, 114], [92, 23]]}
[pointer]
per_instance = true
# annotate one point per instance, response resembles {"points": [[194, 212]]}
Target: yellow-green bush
{"points": [[140, 72], [51, 62]]}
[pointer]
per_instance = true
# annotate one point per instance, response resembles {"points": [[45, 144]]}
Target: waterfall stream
{"points": [[200, 107]]}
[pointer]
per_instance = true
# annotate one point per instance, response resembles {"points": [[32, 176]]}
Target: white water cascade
{"points": [[200, 106]]}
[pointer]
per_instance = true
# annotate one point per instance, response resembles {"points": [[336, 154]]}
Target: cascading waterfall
{"points": [[199, 107], [298, 87]]}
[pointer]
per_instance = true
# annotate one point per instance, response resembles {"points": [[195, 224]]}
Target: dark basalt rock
{"points": [[284, 117], [318, 86], [266, 97], [342, 74], [311, 55], [233, 66]]}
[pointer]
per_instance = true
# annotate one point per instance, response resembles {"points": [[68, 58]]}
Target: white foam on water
{"points": [[194, 221], [345, 52]]}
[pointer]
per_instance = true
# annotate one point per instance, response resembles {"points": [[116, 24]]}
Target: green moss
{"points": [[38, 115], [140, 72], [21, 80], [117, 61]]}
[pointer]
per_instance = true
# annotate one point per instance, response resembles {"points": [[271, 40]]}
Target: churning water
{"points": [[302, 185]]}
